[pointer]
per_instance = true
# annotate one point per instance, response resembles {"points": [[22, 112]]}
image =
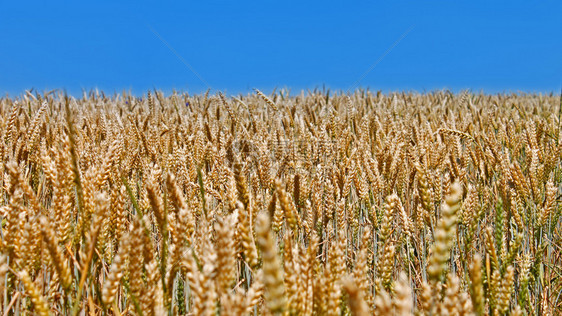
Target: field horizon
{"points": [[286, 90]]}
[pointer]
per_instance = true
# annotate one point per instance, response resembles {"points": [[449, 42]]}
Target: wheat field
{"points": [[311, 204]]}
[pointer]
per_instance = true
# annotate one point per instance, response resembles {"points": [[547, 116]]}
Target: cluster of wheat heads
{"points": [[393, 204]]}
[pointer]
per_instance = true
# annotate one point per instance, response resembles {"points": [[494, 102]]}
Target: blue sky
{"points": [[234, 46]]}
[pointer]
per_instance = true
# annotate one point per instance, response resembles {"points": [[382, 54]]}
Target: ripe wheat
{"points": [[313, 204]]}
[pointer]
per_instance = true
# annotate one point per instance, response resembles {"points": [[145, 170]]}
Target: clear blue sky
{"points": [[234, 46]]}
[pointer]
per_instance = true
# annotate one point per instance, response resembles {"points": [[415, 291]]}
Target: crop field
{"points": [[318, 203]]}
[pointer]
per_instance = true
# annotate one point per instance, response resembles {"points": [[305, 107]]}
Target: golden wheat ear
{"points": [[272, 272]]}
